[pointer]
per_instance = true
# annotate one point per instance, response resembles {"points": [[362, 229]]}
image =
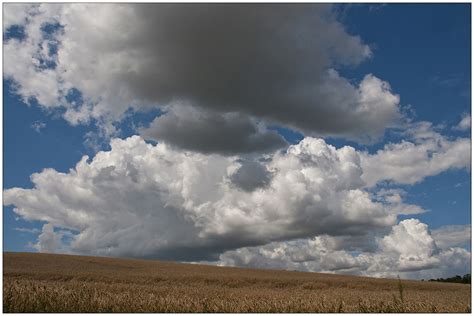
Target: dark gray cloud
{"points": [[232, 56], [250, 176], [266, 60], [209, 132], [274, 63]]}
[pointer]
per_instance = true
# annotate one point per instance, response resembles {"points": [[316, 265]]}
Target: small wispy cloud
{"points": [[461, 184], [38, 126], [377, 7], [447, 81], [465, 123], [27, 230]]}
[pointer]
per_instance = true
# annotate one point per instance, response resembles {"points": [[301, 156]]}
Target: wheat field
{"points": [[65, 283]]}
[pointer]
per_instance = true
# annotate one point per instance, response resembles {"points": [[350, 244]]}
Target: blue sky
{"points": [[425, 52], [421, 50], [427, 47]]}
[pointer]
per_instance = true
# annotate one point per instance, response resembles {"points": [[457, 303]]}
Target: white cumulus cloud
{"points": [[146, 200], [465, 123], [427, 153], [407, 250]]}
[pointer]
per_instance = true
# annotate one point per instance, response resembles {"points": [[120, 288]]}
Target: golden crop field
{"points": [[65, 283]]}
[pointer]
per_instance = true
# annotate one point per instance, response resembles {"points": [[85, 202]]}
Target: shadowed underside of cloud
{"points": [[228, 134], [452, 235], [269, 63]]}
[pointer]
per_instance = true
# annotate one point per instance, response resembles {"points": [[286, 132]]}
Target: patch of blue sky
{"points": [[53, 49], [74, 96], [15, 240], [446, 196], [51, 30], [26, 151], [423, 51], [46, 64], [340, 142], [14, 32], [133, 121], [67, 234], [290, 135], [294, 137]]}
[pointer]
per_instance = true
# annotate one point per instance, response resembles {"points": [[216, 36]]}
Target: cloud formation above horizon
{"points": [[145, 200], [210, 177], [408, 250]]}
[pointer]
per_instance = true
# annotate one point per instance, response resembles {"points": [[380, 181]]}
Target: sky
{"points": [[312, 137]]}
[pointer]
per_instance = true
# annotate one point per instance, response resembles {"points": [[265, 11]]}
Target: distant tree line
{"points": [[456, 279]]}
